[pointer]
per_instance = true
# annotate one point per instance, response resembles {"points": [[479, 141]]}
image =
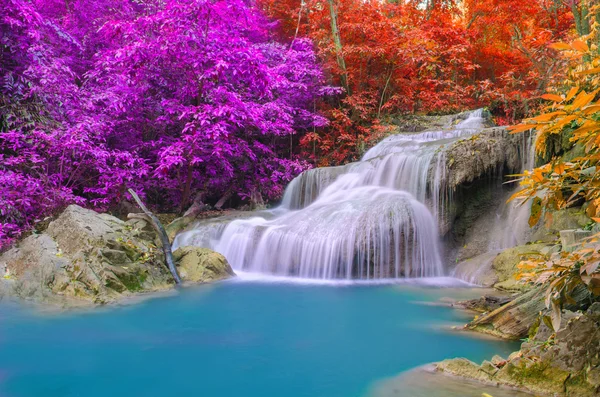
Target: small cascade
{"points": [[512, 219], [372, 219]]}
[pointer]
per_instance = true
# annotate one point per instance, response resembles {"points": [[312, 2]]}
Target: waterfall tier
{"points": [[376, 218]]}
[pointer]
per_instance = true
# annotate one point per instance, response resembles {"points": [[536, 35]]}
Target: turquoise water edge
{"points": [[236, 338]]}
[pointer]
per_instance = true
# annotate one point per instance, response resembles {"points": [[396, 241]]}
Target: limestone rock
{"points": [[197, 264], [478, 270], [473, 157], [505, 265], [77, 228], [513, 320], [566, 365], [565, 219], [85, 256]]}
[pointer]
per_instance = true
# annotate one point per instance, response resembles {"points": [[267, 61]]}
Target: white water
{"points": [[512, 219], [373, 219]]}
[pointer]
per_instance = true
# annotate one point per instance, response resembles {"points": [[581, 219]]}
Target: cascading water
{"points": [[512, 227], [373, 219]]}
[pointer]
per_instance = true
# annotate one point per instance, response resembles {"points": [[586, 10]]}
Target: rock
{"points": [[565, 219], [78, 228], [96, 258], [485, 303], [566, 365], [513, 320], [505, 266], [197, 264], [178, 225], [490, 151], [577, 343], [30, 252], [478, 270], [571, 239]]}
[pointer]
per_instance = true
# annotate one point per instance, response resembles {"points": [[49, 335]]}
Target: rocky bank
{"points": [[84, 257]]}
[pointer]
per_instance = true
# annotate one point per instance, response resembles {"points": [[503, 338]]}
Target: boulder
{"points": [[197, 264]]}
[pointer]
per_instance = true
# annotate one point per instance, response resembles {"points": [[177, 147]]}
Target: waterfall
{"points": [[512, 219], [372, 219]]}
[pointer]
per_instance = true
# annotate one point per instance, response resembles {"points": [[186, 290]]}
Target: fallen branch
{"points": [[160, 230]]}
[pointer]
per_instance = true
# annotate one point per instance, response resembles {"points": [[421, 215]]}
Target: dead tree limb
{"points": [[160, 230]]}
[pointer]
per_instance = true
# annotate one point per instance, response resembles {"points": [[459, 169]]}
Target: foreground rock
{"points": [[201, 264], [96, 258], [565, 363]]}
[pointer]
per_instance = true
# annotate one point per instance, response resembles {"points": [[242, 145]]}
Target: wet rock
{"points": [[485, 303], [488, 152], [513, 320], [197, 264], [478, 270]]}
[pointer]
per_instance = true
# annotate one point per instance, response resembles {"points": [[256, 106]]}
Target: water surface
{"points": [[235, 339]]}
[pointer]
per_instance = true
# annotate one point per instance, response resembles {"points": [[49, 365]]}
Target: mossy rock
{"points": [[566, 219], [202, 265], [505, 266]]}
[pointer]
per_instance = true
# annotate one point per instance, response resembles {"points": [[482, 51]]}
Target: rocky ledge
{"points": [[561, 363], [84, 257]]}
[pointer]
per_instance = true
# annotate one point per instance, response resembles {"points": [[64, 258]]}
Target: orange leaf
{"points": [[590, 71], [571, 93], [580, 46], [521, 127], [560, 46], [597, 220], [547, 116], [552, 97]]}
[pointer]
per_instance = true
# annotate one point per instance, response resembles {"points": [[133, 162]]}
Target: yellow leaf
{"points": [[552, 97], [580, 46], [559, 168]]}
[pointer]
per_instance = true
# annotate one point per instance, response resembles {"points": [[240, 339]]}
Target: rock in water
{"points": [[566, 365], [91, 257], [201, 265]]}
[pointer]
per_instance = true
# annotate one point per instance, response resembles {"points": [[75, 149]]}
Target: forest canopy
{"points": [[227, 101]]}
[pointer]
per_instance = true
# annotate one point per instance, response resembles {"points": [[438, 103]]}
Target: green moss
{"points": [[133, 280]]}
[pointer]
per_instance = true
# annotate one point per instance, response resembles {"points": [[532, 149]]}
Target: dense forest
{"points": [[224, 102]]}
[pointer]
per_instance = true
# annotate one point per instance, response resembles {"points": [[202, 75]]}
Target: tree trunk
{"points": [[335, 33], [160, 230]]}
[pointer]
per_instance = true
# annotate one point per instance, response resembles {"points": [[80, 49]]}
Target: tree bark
{"points": [[162, 234], [335, 33]]}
